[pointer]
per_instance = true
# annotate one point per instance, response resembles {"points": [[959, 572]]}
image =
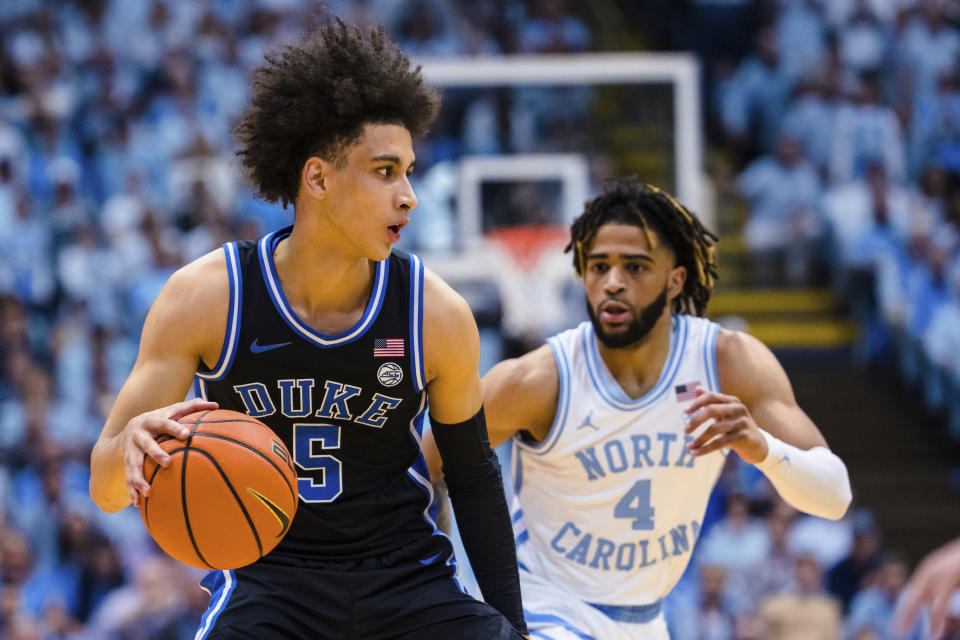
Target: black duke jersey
{"points": [[350, 407]]}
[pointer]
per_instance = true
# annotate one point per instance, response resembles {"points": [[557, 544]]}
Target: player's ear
{"points": [[313, 177], [676, 280]]}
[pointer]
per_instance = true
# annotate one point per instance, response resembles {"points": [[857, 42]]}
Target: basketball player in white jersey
{"points": [[621, 425]]}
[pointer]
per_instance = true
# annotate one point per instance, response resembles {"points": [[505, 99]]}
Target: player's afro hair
{"points": [[314, 98]]}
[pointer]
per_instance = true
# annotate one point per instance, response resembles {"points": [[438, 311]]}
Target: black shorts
{"points": [[408, 594]]}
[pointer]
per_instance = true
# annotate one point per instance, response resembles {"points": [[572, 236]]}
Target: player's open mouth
{"points": [[394, 231], [614, 312]]}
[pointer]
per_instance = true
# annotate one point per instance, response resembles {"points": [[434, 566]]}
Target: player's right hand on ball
{"points": [[139, 439]]}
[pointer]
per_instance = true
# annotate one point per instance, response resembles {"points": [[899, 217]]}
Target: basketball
{"points": [[228, 496]]}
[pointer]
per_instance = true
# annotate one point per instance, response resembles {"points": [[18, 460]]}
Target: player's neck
{"points": [[327, 286], [637, 368]]}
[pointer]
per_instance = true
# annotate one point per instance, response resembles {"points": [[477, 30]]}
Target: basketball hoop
{"points": [[531, 270], [526, 242]]}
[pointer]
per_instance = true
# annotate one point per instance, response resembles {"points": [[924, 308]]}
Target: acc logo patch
{"points": [[389, 374]]}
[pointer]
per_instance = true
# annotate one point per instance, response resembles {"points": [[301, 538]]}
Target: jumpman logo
{"points": [[587, 423]]}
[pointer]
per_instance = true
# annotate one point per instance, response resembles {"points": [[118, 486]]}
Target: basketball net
{"points": [[531, 271]]}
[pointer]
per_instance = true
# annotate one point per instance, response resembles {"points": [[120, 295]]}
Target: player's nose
{"points": [[614, 280], [406, 198]]}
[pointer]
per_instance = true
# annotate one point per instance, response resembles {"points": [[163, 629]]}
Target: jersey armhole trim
{"points": [[229, 349], [418, 471], [416, 323], [710, 357], [199, 388], [517, 463], [563, 402], [710, 365]]}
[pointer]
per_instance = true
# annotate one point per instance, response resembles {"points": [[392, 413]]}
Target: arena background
{"points": [[819, 138]]}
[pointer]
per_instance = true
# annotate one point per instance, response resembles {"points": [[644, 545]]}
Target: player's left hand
{"points": [[932, 584], [732, 426]]}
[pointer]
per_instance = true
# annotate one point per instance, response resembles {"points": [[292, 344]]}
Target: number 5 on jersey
{"points": [[307, 439]]}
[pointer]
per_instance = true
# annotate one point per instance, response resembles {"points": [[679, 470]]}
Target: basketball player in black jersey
{"points": [[337, 343]]}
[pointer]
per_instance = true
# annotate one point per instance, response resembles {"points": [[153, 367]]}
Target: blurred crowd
{"points": [[845, 120], [764, 571], [841, 121], [117, 166]]}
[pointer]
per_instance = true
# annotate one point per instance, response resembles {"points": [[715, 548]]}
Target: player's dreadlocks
{"points": [[628, 201]]}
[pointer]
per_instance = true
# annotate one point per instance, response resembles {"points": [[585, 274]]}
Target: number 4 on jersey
{"points": [[635, 505]]}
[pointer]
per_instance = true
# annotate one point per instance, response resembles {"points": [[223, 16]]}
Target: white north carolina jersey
{"points": [[610, 504]]}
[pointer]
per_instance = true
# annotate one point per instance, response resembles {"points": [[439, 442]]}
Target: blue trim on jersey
{"points": [[220, 586], [517, 467], [416, 323], [418, 471], [710, 356], [269, 270], [710, 366], [229, 348], [637, 614], [420, 475], [545, 618], [519, 527], [607, 386], [563, 403]]}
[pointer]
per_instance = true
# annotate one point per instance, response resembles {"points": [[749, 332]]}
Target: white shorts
{"points": [[552, 613]]}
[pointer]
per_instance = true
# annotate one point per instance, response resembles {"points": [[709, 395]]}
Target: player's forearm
{"points": [[107, 477], [476, 492], [484, 524], [814, 481]]}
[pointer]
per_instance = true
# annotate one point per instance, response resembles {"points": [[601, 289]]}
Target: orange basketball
{"points": [[228, 496]]}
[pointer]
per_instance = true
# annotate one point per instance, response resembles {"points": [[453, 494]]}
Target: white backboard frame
{"points": [[571, 169], [680, 69]]}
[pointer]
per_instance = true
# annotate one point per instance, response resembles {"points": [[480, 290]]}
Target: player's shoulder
{"points": [[532, 371], [446, 315], [190, 312], [451, 341], [743, 361], [520, 394], [439, 295], [738, 348], [196, 294], [204, 277]]}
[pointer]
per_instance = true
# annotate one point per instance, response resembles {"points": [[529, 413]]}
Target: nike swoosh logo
{"points": [[430, 559], [260, 348], [278, 513]]}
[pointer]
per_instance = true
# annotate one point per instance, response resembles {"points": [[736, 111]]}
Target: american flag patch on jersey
{"points": [[687, 391], [388, 348]]}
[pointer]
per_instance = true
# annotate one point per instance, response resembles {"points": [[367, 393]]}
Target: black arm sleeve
{"points": [[473, 479]]}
